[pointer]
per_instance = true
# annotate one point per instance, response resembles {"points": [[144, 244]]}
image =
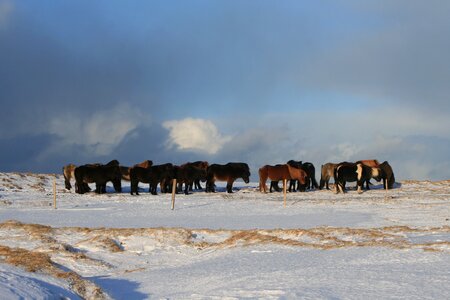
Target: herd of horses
{"points": [[301, 176]]}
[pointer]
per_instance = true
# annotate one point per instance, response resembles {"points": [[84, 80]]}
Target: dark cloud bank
{"points": [[312, 81]]}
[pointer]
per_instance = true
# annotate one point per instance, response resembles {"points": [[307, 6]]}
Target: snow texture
{"points": [[245, 245]]}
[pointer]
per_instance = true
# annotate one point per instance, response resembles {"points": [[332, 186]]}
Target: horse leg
{"points": [[134, 187], [187, 187], [98, 188], [291, 185], [132, 184], [210, 186], [340, 186], [118, 186], [359, 185], [179, 187], [230, 186], [198, 186], [79, 188], [322, 183], [273, 185], [67, 184]]}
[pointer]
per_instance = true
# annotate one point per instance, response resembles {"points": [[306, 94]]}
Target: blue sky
{"points": [[255, 81]]}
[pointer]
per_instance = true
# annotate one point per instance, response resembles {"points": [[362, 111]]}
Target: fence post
{"points": [[54, 192], [174, 188], [386, 189], [284, 191]]}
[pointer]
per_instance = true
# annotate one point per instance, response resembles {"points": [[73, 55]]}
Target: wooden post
{"points": [[386, 189], [174, 189], [284, 191], [54, 193]]}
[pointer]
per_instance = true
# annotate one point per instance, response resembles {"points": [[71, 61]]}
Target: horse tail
{"points": [[338, 183], [263, 174]]}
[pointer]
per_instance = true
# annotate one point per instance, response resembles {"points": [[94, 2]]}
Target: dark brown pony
{"points": [[387, 175], [153, 175], [126, 170], [202, 165], [168, 174], [228, 172], [280, 172], [98, 174], [69, 173], [187, 174]]}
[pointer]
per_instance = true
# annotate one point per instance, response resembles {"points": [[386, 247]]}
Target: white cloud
{"points": [[100, 133], [196, 135]]}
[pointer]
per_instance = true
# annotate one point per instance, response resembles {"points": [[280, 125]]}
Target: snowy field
{"points": [[244, 245]]}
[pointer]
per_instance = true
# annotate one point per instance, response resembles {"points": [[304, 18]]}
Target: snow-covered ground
{"points": [[244, 245]]}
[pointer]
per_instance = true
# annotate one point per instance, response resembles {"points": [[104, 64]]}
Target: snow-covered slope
{"points": [[241, 245]]}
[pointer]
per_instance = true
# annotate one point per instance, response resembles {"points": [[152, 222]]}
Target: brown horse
{"points": [[310, 172], [126, 170], [281, 172], [373, 163], [68, 172], [326, 172], [228, 172], [152, 175]]}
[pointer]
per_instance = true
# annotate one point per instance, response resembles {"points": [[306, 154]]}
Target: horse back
{"points": [[278, 172], [369, 162], [229, 171]]}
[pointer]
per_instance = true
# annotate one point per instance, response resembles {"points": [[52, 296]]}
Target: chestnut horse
{"points": [[373, 163], [310, 172], [281, 172]]}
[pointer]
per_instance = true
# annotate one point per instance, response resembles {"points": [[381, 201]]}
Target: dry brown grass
{"points": [[40, 262], [110, 239]]}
